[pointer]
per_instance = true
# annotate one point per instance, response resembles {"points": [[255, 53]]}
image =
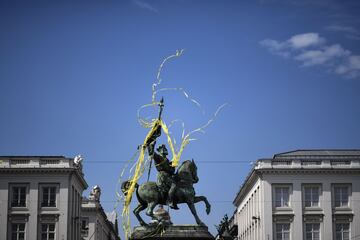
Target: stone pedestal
{"points": [[173, 232]]}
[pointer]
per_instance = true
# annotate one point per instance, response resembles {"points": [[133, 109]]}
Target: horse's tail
{"points": [[126, 185]]}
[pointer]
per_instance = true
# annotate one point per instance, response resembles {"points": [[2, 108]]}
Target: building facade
{"points": [[305, 194], [41, 197], [96, 224]]}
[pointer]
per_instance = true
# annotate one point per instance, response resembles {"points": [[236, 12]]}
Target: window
{"points": [[282, 231], [311, 196], [342, 231], [312, 231], [341, 195], [48, 197], [47, 231], [18, 196], [84, 227], [18, 231], [282, 196]]}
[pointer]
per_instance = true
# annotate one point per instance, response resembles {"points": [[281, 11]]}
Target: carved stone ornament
{"points": [[95, 193], [283, 218], [78, 159]]}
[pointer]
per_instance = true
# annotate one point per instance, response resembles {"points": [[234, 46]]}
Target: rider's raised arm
{"points": [[150, 144], [151, 148]]}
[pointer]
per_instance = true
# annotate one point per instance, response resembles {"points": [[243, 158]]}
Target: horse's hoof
{"points": [[208, 211]]}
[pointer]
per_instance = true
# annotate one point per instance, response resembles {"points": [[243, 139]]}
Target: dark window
{"points": [[18, 231], [84, 227], [311, 196], [282, 231], [281, 196], [341, 194], [342, 231], [48, 231], [18, 197], [312, 231], [49, 197]]}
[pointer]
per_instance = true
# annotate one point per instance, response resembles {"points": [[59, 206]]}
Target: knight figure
{"points": [[166, 177], [170, 188]]}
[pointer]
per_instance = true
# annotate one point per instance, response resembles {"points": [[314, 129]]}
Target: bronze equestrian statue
{"points": [[171, 187]]}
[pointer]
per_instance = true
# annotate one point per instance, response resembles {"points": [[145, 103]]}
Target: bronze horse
{"points": [[149, 195]]}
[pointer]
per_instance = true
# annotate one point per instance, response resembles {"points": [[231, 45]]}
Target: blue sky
{"points": [[74, 73]]}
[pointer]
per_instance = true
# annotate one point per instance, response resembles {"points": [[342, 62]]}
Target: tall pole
{"points": [[161, 105]]}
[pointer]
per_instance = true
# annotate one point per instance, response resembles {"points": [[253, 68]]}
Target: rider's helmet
{"points": [[162, 150]]}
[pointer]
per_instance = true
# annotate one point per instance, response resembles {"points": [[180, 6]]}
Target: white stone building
{"points": [[41, 199], [305, 194], [95, 223]]}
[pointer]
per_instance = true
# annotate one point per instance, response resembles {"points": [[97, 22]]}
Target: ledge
{"points": [[313, 212], [175, 232]]}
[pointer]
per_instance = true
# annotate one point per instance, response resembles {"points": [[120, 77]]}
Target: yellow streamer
{"points": [[153, 124], [158, 78], [175, 155], [140, 168], [137, 174]]}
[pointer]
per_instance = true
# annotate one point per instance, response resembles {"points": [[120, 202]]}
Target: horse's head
{"points": [[189, 168]]}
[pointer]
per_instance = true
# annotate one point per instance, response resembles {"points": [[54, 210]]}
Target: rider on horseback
{"points": [[166, 181], [170, 188]]}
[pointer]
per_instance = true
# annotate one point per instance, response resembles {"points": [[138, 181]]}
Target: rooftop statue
{"points": [[95, 193], [172, 186]]}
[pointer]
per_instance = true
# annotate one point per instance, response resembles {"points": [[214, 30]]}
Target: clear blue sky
{"points": [[74, 73]]}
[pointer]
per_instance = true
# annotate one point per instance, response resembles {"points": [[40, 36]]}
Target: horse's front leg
{"points": [[204, 199], [150, 209], [194, 213], [137, 211]]}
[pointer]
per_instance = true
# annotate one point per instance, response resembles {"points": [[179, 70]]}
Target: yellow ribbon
{"points": [[153, 124]]}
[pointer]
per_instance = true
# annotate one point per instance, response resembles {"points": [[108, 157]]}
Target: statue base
{"points": [[175, 232]]}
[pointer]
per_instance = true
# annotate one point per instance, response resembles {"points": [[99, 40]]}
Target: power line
{"points": [[214, 201], [110, 161]]}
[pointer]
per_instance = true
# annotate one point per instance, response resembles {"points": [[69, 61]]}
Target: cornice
{"points": [[32, 170], [19, 170], [248, 183], [311, 171]]}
